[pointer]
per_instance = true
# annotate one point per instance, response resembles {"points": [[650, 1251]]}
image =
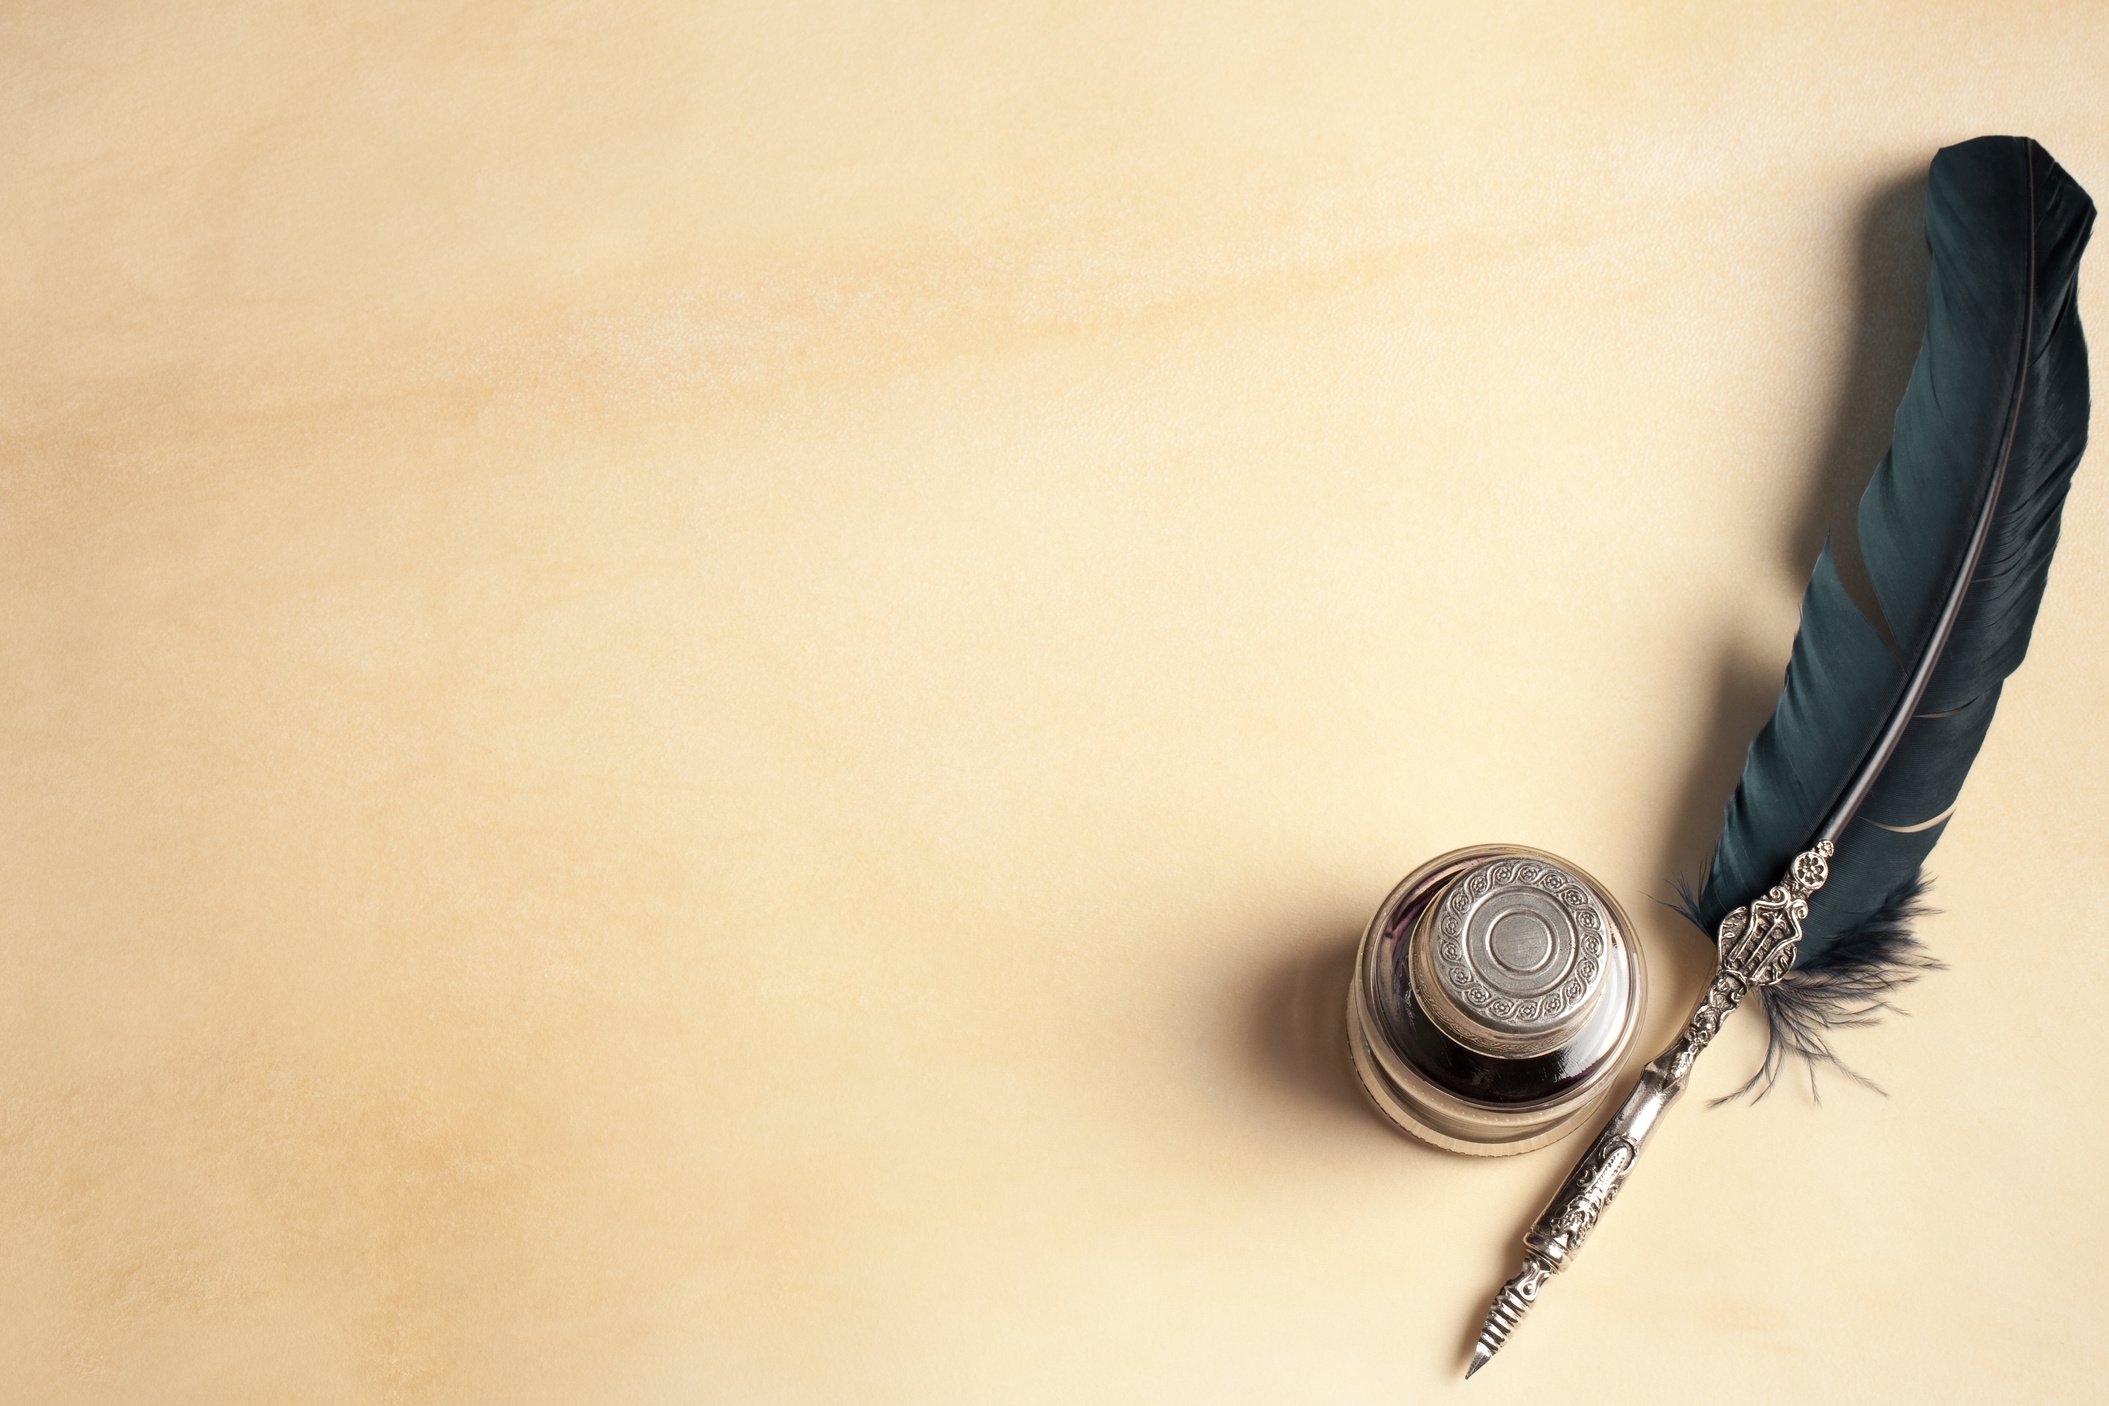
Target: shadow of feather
{"points": [[1888, 294], [1888, 277], [1745, 688]]}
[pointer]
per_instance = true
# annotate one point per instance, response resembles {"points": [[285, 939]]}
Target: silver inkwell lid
{"points": [[1494, 997]]}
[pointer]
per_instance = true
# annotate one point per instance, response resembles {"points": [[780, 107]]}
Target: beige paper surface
{"points": [[699, 701]]}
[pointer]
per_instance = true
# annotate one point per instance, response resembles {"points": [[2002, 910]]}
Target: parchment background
{"points": [[696, 702]]}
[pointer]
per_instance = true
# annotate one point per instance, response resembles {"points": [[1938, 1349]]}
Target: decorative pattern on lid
{"points": [[1519, 946]]}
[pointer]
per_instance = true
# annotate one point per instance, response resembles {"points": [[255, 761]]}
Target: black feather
{"points": [[1867, 747]]}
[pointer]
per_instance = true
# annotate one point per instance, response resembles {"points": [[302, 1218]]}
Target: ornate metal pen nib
{"points": [[1757, 945]]}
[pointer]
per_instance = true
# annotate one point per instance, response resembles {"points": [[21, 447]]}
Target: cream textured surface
{"points": [[698, 702]]}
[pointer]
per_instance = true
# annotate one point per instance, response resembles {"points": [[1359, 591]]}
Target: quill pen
{"points": [[1818, 869]]}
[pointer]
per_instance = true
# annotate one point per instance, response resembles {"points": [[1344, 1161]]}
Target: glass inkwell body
{"points": [[1495, 995]]}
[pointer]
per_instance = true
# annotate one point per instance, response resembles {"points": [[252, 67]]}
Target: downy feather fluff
{"points": [[1868, 746]]}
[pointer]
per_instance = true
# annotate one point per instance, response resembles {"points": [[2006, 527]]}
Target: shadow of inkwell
{"points": [[1299, 1025]]}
